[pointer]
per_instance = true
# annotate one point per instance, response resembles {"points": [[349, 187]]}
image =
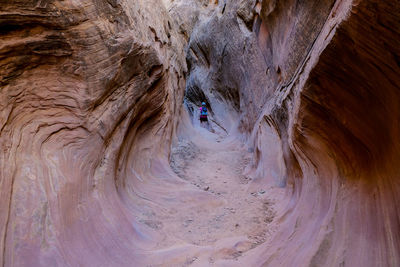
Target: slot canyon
{"points": [[104, 162]]}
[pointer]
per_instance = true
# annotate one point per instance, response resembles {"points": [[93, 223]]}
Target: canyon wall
{"points": [[91, 95], [88, 98], [344, 123], [313, 89]]}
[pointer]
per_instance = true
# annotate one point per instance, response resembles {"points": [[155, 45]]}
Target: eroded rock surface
{"points": [[89, 90], [317, 98], [91, 97]]}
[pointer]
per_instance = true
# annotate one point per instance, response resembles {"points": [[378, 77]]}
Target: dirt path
{"points": [[225, 218], [217, 167]]}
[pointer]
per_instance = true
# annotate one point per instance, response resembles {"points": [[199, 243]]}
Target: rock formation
{"points": [[89, 93], [316, 92], [91, 103]]}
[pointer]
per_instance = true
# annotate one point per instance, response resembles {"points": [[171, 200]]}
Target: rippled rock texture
{"points": [[314, 88], [88, 94], [91, 95]]}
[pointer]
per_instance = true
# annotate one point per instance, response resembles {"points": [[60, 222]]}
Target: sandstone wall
{"points": [[89, 90], [343, 128], [91, 93], [312, 87]]}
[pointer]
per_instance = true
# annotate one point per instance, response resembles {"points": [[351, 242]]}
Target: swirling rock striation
{"points": [[81, 83], [315, 92], [91, 95]]}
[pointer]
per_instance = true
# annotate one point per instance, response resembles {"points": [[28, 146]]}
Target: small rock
{"points": [[243, 246], [187, 222], [206, 188], [237, 225], [261, 192]]}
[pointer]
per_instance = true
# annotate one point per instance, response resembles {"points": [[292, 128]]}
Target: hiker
{"points": [[203, 113]]}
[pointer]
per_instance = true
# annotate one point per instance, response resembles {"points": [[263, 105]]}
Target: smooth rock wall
{"points": [[313, 88], [345, 128], [89, 95]]}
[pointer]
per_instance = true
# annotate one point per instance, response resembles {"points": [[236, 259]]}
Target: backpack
{"points": [[203, 111]]}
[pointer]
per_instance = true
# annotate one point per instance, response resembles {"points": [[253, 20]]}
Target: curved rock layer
{"points": [[315, 87], [342, 128], [91, 95]]}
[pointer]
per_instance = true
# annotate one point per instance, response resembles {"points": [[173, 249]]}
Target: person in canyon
{"points": [[203, 114]]}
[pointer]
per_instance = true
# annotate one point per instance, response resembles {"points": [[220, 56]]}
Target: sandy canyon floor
{"points": [[233, 218]]}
